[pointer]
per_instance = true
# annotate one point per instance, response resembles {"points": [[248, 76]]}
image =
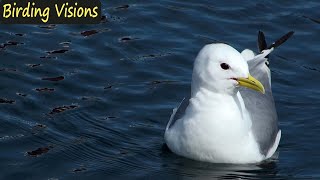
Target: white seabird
{"points": [[222, 122]]}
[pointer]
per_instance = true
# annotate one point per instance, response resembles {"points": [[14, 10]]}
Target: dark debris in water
{"points": [[45, 89], [21, 94], [126, 39], [19, 34], [9, 43], [108, 87], [62, 109], [110, 117], [59, 78], [77, 170], [48, 57], [92, 32], [33, 65], [6, 101], [40, 126], [122, 7], [89, 33], [39, 151], [60, 51]]}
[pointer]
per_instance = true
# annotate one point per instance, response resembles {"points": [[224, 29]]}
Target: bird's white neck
{"points": [[226, 108]]}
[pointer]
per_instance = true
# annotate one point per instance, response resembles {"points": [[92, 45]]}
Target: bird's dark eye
{"points": [[225, 66]]}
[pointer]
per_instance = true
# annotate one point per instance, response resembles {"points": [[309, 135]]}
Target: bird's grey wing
{"points": [[178, 112], [262, 107]]}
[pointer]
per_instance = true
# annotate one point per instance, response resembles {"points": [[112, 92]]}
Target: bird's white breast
{"points": [[215, 128]]}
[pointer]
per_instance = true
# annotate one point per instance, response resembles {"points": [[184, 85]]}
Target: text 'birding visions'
{"points": [[50, 11]]}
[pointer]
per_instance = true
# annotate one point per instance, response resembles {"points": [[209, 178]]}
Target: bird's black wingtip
{"points": [[262, 44], [281, 40]]}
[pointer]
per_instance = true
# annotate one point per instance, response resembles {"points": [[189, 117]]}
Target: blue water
{"points": [[92, 101]]}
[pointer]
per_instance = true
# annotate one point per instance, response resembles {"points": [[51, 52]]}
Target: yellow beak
{"points": [[251, 83]]}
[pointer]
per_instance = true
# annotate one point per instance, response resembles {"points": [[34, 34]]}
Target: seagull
{"points": [[230, 115]]}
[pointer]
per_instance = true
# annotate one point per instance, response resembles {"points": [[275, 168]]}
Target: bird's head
{"points": [[221, 68]]}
